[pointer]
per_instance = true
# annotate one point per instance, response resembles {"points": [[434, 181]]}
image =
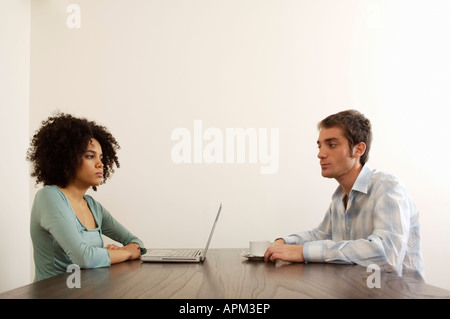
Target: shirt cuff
{"points": [[290, 240], [313, 251]]}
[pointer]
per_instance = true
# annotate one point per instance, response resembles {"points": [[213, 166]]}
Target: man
{"points": [[372, 218]]}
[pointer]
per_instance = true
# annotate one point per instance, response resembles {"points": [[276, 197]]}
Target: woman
{"points": [[70, 155]]}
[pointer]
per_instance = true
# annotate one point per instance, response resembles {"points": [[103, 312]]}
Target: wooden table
{"points": [[225, 274]]}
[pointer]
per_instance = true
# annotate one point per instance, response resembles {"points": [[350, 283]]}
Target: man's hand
{"points": [[280, 251]]}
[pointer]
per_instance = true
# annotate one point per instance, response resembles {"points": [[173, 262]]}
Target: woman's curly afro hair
{"points": [[57, 147]]}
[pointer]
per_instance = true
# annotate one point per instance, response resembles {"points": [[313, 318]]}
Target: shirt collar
{"points": [[361, 183]]}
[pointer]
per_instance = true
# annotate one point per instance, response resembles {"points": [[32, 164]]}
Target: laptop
{"points": [[180, 255]]}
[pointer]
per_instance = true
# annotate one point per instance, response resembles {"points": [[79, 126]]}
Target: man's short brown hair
{"points": [[356, 128]]}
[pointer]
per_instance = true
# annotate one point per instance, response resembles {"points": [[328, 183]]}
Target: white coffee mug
{"points": [[259, 247]]}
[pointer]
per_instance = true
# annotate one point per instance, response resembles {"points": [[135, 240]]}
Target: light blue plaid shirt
{"points": [[380, 226]]}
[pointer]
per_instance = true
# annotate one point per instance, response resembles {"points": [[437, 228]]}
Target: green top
{"points": [[59, 238]]}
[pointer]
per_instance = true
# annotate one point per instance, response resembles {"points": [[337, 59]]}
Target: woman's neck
{"points": [[74, 193]]}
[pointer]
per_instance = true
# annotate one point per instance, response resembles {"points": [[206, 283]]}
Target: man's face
{"points": [[336, 158]]}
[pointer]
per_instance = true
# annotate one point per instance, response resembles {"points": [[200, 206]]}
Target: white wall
{"points": [[146, 68], [14, 137]]}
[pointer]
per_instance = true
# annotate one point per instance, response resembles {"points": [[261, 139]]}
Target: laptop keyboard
{"points": [[183, 252]]}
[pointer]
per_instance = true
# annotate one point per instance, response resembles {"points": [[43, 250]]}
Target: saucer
{"points": [[251, 257]]}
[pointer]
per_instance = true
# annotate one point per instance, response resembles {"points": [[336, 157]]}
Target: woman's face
{"points": [[90, 171]]}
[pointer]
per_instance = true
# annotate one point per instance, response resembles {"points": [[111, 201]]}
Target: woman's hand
{"points": [[134, 249], [118, 254], [112, 247]]}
